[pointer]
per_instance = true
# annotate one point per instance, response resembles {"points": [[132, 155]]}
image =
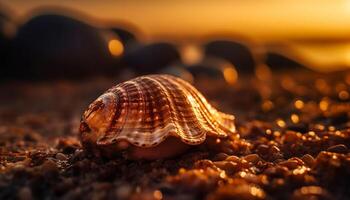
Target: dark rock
{"points": [[235, 52], [340, 148], [211, 70], [151, 57], [126, 36], [278, 61], [54, 46], [5, 44], [179, 71]]}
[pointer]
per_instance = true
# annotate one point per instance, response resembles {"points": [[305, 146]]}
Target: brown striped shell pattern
{"points": [[147, 111]]}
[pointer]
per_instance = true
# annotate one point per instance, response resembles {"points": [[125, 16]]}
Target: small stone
{"points": [[311, 192], [123, 191], [25, 194], [220, 156], [340, 148], [290, 164], [49, 166], [252, 158], [229, 166], [263, 150], [308, 159], [233, 158], [203, 164], [291, 136], [61, 156]]}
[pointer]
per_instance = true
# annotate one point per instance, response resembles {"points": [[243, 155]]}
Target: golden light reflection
{"points": [[301, 170], [324, 105], [191, 54], [294, 118], [157, 195], [299, 104], [312, 133], [277, 133], [281, 123], [255, 191], [230, 75], [223, 174], [268, 131], [343, 95], [116, 48], [331, 128]]}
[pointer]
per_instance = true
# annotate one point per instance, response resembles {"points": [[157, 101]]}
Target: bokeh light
{"points": [[115, 47]]}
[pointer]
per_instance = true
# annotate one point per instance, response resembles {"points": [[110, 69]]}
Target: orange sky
{"points": [[260, 19]]}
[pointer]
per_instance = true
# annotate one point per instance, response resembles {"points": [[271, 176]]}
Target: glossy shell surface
{"points": [[146, 110]]}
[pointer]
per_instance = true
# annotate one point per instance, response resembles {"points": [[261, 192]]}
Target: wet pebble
{"points": [[252, 158], [311, 192], [308, 159], [340, 148], [25, 193], [235, 51], [61, 156]]}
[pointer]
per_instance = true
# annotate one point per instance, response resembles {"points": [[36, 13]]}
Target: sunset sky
{"points": [[260, 19], [317, 30]]}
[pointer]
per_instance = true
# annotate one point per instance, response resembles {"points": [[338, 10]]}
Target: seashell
{"points": [[154, 116]]}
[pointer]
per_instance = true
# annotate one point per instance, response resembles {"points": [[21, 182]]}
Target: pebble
{"points": [[290, 164], [340, 148], [233, 158], [220, 156], [61, 156], [311, 192], [25, 194], [291, 136], [308, 159], [49, 166], [229, 166], [252, 158]]}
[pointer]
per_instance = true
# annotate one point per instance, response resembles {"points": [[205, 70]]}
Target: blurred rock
{"points": [[151, 57], [179, 71], [54, 46], [278, 61], [7, 28], [213, 70], [125, 36], [235, 52]]}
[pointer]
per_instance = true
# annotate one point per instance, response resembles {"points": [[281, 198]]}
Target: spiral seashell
{"points": [[147, 111]]}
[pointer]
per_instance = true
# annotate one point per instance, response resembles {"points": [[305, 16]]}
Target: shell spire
{"points": [[146, 110]]}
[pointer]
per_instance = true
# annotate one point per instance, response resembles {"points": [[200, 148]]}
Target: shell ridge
{"points": [[144, 134], [207, 113], [193, 128], [166, 95], [172, 101], [129, 87], [147, 136], [112, 134], [163, 134], [133, 127], [213, 112]]}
